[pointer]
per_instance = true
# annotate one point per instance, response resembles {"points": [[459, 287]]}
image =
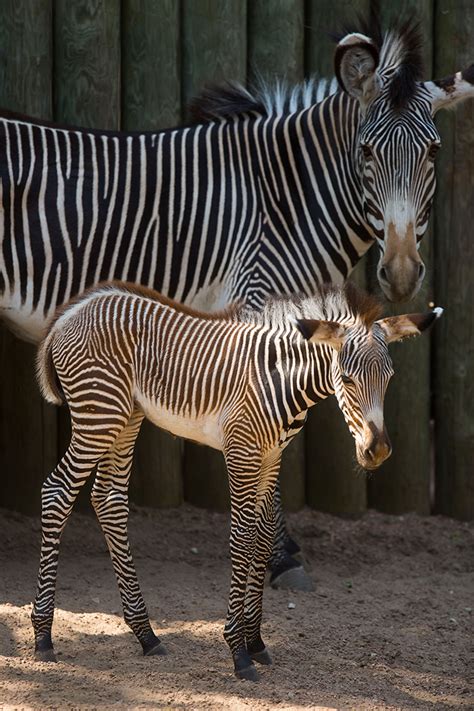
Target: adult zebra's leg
{"points": [[243, 479], [265, 523], [110, 501], [286, 571], [58, 495]]}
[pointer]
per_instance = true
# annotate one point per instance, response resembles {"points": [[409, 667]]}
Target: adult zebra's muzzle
{"points": [[400, 270]]}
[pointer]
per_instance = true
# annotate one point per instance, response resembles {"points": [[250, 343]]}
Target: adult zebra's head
{"points": [[361, 371], [397, 143]]}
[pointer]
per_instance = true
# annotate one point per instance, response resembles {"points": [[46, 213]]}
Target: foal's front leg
{"points": [[110, 502], [265, 525], [243, 478]]}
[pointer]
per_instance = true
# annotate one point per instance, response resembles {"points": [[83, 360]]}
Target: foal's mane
{"points": [[125, 287]]}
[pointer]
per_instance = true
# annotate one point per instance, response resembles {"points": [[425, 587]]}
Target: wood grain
{"points": [[87, 63], [453, 382], [151, 64]]}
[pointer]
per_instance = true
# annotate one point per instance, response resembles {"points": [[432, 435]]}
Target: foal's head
{"points": [[361, 370]]}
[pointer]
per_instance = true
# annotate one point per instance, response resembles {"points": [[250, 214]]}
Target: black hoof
{"points": [[262, 657], [249, 673], [291, 546], [292, 579], [158, 649], [45, 655]]}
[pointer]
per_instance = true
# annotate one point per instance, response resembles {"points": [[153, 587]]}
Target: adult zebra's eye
{"points": [[433, 150], [346, 379], [366, 151]]}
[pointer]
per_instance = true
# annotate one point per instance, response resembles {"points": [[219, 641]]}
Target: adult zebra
{"points": [[263, 197]]}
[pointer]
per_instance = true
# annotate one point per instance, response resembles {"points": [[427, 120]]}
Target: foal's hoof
{"points": [[262, 657], [249, 673], [292, 579], [158, 649], [45, 655]]}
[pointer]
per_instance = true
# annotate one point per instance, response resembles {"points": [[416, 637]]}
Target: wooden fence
{"points": [[134, 64]]}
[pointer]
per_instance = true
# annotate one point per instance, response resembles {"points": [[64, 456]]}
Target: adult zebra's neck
{"points": [[312, 195]]}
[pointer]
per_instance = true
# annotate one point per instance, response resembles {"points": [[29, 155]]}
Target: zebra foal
{"points": [[240, 381]]}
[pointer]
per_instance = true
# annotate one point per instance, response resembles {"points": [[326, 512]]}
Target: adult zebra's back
{"points": [[267, 198]]}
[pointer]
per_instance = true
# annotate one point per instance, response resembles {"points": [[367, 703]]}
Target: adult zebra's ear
{"points": [[447, 92], [396, 328], [355, 63], [330, 333]]}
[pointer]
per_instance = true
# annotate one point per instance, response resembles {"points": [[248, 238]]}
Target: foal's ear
{"points": [[396, 328], [315, 331], [355, 63]]}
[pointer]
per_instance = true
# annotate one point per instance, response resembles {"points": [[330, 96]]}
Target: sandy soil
{"points": [[388, 625]]}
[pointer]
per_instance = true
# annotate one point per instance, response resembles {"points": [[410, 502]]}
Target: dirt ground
{"points": [[388, 625]]}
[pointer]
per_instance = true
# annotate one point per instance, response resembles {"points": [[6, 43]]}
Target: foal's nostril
{"points": [[369, 453], [421, 271], [383, 273]]}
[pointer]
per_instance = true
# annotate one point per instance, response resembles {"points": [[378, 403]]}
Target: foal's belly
{"points": [[205, 429]]}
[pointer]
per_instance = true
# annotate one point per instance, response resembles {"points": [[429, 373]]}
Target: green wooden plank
{"points": [[214, 40], [403, 482], [151, 99], [214, 43], [28, 426], [276, 40], [454, 272], [332, 484], [87, 63], [151, 90], [276, 51], [86, 89]]}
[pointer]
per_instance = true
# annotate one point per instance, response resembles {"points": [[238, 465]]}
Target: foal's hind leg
{"points": [[110, 501], [58, 495]]}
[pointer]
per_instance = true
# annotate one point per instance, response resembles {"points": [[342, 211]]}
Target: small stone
{"points": [[194, 550], [453, 620], [291, 605], [96, 600]]}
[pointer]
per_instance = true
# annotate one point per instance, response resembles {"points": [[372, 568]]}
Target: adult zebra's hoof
{"points": [[294, 578], [45, 655], [158, 649], [249, 673], [262, 657]]}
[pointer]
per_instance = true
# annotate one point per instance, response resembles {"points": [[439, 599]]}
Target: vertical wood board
{"points": [[28, 426], [453, 381]]}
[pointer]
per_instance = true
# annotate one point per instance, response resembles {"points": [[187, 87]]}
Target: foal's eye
{"points": [[346, 379]]}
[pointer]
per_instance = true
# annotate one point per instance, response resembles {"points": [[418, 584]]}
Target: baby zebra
{"points": [[239, 381]]}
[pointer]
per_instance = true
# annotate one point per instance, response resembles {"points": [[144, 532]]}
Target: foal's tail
{"points": [[46, 372]]}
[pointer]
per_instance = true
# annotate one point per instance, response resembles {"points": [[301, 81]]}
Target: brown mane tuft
{"points": [[362, 304]]}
